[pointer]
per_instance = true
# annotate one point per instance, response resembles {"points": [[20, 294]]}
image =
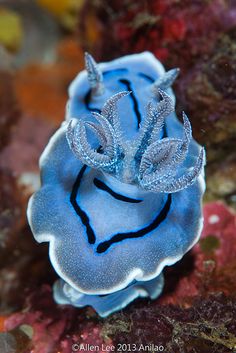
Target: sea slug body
{"points": [[122, 185]]}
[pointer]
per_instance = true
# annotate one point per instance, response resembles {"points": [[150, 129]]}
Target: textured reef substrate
{"points": [[196, 313]]}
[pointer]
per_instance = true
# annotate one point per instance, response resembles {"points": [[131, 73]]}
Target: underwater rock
{"points": [[177, 32], [16, 341], [22, 266], [217, 247], [21, 138], [207, 327], [199, 318], [11, 213], [22, 263], [221, 177], [210, 88], [210, 267], [9, 110], [55, 327]]}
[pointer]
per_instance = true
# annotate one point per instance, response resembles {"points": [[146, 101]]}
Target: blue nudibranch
{"points": [[122, 185]]}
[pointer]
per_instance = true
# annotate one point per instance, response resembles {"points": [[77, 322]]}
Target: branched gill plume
{"points": [[152, 163]]}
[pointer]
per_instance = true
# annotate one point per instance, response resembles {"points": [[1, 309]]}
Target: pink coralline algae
{"points": [[219, 234], [55, 328], [211, 266]]}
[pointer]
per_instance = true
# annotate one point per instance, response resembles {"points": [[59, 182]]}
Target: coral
{"points": [[138, 170]]}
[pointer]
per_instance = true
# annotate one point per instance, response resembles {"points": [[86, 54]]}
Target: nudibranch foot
{"points": [[107, 304]]}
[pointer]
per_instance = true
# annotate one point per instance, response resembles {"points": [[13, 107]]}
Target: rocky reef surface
{"points": [[196, 313]]}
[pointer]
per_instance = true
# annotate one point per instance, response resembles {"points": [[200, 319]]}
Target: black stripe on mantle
{"points": [[105, 245], [102, 186]]}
